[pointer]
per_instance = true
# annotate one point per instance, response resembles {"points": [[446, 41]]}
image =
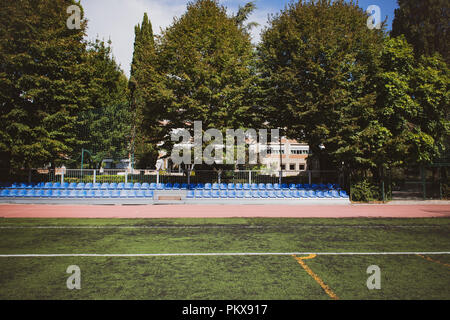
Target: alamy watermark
{"points": [[374, 19], [74, 21], [74, 281], [213, 152], [374, 281]]}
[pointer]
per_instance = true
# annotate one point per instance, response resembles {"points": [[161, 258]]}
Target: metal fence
{"points": [[162, 176]]}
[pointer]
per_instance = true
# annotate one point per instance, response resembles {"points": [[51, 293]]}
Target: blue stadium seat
{"points": [[65, 185], [71, 186], [99, 193], [239, 186], [96, 186], [192, 186], [319, 194], [343, 194], [262, 186], [40, 193], [287, 193], [215, 194], [327, 194], [47, 193], [131, 193], [80, 186], [200, 186], [88, 186], [120, 186], [314, 186], [215, 186], [224, 193], [284, 186], [115, 193], [160, 186], [296, 194], [4, 193], [276, 186], [223, 186], [292, 186], [128, 186], [207, 194], [255, 194], [231, 186], [137, 186], [123, 193], [246, 186], [65, 193], [311, 194], [148, 193], [140, 194], [208, 186], [271, 194], [190, 194], [334, 194], [306, 186], [322, 186], [279, 194], [90, 193], [269, 186], [56, 185], [299, 186], [254, 186], [263, 194], [152, 186], [48, 185], [198, 193], [239, 194], [176, 186], [231, 194], [168, 186], [81, 193], [302, 194], [56, 193], [21, 193], [145, 186], [31, 193], [247, 194], [184, 186]]}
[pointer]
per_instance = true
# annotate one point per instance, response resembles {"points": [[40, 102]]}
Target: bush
{"points": [[364, 191]]}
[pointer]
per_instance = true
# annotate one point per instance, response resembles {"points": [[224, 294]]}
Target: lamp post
{"points": [[82, 159], [281, 163]]}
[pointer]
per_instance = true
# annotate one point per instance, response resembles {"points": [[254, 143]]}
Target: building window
{"points": [[292, 167], [283, 167], [302, 167]]}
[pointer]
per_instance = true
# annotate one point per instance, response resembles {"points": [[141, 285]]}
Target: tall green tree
{"points": [[202, 70], [318, 60], [146, 85], [43, 82], [105, 128], [425, 25]]}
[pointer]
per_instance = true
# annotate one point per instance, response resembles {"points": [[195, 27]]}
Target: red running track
{"points": [[222, 211]]}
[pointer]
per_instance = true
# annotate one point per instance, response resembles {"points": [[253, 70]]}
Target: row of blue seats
{"points": [[175, 186], [266, 194], [48, 193]]}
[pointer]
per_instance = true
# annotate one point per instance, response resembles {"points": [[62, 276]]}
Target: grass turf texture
{"points": [[224, 277]]}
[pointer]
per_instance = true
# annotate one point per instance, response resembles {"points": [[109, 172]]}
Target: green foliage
{"points": [[318, 61], [425, 25], [200, 69], [43, 83], [105, 128], [364, 191]]}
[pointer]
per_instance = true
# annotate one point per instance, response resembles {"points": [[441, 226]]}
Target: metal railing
{"points": [[162, 176]]}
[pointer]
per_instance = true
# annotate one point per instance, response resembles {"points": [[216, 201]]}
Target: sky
{"points": [[115, 19]]}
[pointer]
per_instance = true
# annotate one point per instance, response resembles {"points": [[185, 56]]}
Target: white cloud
{"points": [[116, 19]]}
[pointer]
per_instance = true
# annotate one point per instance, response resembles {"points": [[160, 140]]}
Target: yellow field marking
{"points": [[315, 276], [436, 261]]}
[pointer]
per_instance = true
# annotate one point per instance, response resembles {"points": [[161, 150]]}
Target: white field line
{"points": [[226, 227], [220, 254]]}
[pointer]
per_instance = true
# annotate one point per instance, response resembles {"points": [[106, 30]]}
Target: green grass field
{"points": [[224, 277]]}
